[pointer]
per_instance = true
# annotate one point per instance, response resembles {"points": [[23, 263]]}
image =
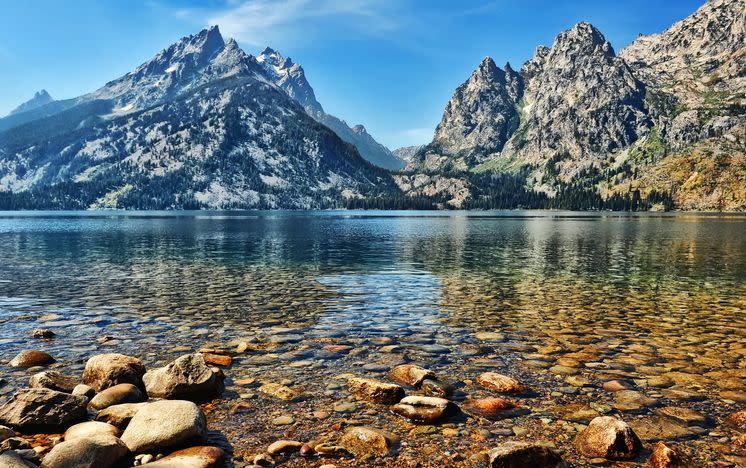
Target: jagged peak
{"points": [[583, 37], [359, 129], [508, 69]]}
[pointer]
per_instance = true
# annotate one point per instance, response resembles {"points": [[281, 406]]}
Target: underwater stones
{"points": [[280, 391], [434, 388], [489, 336], [106, 370], [736, 420], [423, 409], [515, 454], [493, 409], [163, 424], [31, 358], [610, 438], [683, 415], [186, 378], [631, 400], [42, 410], [216, 359], [116, 395], [42, 333], [53, 380], [654, 428], [375, 391], [579, 413], [364, 441], [500, 383], [284, 446], [410, 375], [618, 385]]}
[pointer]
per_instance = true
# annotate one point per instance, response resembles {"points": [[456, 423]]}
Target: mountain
{"points": [[292, 78], [201, 125], [477, 121], [585, 127], [40, 98], [406, 153]]}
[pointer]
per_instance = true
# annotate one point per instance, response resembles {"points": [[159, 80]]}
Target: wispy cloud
{"points": [[262, 22]]}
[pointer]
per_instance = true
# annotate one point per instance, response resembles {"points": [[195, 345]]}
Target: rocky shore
{"points": [[202, 410]]}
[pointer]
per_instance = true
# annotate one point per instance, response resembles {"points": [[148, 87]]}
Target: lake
{"points": [[562, 301]]}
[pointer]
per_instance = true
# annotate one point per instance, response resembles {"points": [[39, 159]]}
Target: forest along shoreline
{"points": [[546, 412]]}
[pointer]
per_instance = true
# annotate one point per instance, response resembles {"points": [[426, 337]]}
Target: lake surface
{"points": [[544, 296]]}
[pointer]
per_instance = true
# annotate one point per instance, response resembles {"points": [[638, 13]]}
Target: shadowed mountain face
{"points": [[580, 118], [292, 78], [199, 125], [40, 98]]}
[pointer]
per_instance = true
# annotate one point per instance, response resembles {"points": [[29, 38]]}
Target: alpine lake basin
{"points": [[561, 301]]}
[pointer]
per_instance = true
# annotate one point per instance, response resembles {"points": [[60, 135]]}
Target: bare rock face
{"points": [[187, 378], [106, 370], [375, 391], [516, 454], [86, 452], [43, 410], [163, 424], [410, 375], [581, 101], [53, 380], [192, 457], [610, 438], [478, 120]]}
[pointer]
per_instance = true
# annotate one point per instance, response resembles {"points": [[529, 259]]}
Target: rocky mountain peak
{"points": [[40, 98], [291, 77], [359, 130]]}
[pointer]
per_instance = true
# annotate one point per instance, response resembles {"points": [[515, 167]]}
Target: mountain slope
{"points": [[292, 78], [200, 125], [40, 98]]}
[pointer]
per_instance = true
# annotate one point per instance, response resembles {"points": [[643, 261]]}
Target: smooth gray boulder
{"points": [[106, 370], [163, 424], [86, 452]]}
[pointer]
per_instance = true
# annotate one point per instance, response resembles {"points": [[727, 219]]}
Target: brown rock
{"points": [[284, 446], [522, 454], [364, 441], [375, 391], [617, 385], [163, 424], [193, 457], [119, 415], [654, 428], [500, 383], [106, 370], [664, 457], [410, 375], [31, 358], [53, 380], [217, 359], [683, 415], [610, 438], [186, 378], [42, 333], [433, 388], [87, 452], [91, 429], [493, 409], [737, 420], [116, 395], [423, 409], [280, 391]]}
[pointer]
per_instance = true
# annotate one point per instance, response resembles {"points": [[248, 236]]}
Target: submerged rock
{"points": [[106, 370], [736, 420], [43, 410], [610, 438], [493, 409], [500, 383], [375, 391], [423, 409], [53, 380], [410, 375], [523, 454], [284, 446], [364, 441], [164, 424], [31, 358], [186, 378], [280, 391]]}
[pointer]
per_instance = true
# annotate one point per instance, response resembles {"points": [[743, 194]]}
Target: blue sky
{"points": [[391, 65]]}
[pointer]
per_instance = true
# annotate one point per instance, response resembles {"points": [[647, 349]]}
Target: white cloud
{"points": [[262, 22]]}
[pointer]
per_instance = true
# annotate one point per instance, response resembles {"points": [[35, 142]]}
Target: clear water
{"points": [[644, 295]]}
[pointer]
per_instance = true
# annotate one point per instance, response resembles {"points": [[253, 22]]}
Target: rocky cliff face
{"points": [[201, 125], [40, 98], [292, 78]]}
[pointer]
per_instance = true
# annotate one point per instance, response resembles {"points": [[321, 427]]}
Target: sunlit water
{"points": [[601, 296]]}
